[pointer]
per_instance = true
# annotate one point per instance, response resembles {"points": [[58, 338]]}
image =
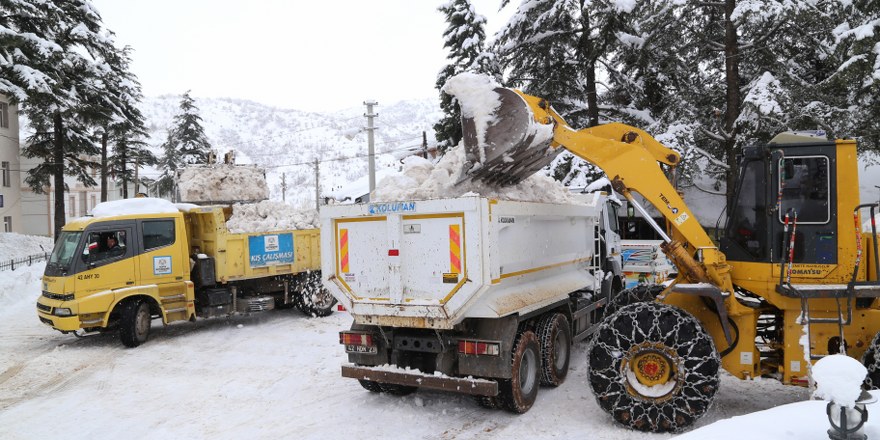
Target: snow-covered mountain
{"points": [[287, 141]]}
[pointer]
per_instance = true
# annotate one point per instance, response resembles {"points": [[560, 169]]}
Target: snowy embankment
{"points": [[13, 246], [277, 375]]}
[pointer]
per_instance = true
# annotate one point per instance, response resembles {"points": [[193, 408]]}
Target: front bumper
{"points": [[45, 309]]}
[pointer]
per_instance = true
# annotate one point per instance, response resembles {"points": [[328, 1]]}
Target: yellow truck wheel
{"points": [[134, 322], [653, 367]]}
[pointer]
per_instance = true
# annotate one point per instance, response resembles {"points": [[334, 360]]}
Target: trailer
{"points": [[470, 295]]}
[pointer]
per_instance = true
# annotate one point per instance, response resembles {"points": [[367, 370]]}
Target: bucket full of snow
{"points": [[504, 143], [839, 381]]}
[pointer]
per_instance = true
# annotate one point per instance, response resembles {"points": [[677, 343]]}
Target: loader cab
{"points": [[794, 176]]}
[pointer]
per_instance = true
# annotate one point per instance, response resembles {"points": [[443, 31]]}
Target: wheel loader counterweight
{"points": [[751, 293]]}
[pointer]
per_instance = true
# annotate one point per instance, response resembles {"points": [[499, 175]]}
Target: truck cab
{"points": [[101, 264]]}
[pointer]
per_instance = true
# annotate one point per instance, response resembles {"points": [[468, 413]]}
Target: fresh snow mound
{"points": [[222, 183], [839, 379], [268, 216], [14, 246], [138, 205], [422, 180]]}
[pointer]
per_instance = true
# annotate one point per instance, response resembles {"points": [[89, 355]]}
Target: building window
{"points": [[94, 201], [7, 174], [7, 224], [4, 115], [71, 206]]}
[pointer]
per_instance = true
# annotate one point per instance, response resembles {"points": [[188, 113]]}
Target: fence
{"points": [[24, 261]]}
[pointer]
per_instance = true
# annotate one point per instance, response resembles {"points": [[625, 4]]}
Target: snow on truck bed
{"points": [[423, 180], [265, 216], [222, 183]]}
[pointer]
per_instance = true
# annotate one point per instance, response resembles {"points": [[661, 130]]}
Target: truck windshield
{"points": [[63, 255]]}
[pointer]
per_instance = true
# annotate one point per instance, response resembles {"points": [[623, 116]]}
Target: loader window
{"points": [[157, 234], [748, 220], [805, 182]]}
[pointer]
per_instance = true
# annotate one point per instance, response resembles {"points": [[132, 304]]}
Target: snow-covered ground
{"points": [[277, 375]]}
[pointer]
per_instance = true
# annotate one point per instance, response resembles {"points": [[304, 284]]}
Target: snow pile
{"points": [[267, 216], [222, 183], [13, 246], [138, 205], [477, 99], [422, 180], [839, 379]]}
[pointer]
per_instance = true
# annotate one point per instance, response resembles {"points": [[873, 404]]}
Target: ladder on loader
{"points": [[850, 291]]}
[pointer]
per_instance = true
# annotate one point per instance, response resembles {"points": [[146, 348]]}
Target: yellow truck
{"points": [[140, 259]]}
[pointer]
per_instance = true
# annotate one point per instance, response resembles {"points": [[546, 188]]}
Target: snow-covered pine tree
{"points": [[465, 39], [186, 144], [51, 58], [126, 131], [555, 49]]}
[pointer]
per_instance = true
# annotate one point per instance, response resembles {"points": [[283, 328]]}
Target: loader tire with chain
{"points": [[653, 367], [634, 295]]}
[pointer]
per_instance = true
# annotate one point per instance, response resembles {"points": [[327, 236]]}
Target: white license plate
{"points": [[360, 349]]}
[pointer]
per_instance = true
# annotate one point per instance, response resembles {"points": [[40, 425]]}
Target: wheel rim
{"points": [[142, 321], [650, 369], [528, 370], [560, 350]]}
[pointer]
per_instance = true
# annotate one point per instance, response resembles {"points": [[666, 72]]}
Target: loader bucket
{"points": [[512, 147]]}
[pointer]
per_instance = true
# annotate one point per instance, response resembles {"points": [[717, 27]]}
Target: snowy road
{"points": [[275, 375]]}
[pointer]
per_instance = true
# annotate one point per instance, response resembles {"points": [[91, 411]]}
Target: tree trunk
{"points": [[104, 166], [592, 102], [122, 173], [731, 67], [58, 174]]}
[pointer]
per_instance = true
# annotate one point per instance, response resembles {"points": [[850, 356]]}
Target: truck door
{"points": [[162, 260], [106, 261], [611, 236]]}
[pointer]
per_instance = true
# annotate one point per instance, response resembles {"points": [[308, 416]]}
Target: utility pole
{"points": [[424, 144], [371, 152], [283, 187], [317, 185]]}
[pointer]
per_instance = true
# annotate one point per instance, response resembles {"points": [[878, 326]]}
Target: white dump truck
{"points": [[471, 295]]}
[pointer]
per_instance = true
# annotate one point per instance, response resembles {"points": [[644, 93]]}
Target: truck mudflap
{"points": [[471, 386]]}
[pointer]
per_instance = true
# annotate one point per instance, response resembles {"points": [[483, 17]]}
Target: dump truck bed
{"points": [[433, 263], [240, 256]]}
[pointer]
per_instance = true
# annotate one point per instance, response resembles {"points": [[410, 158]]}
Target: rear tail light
{"points": [[479, 348], [353, 338]]}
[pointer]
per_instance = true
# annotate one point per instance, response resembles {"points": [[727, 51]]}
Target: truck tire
{"points": [[653, 367], [871, 361], [315, 299], [634, 295], [395, 389], [554, 335], [370, 385], [488, 402], [134, 322], [518, 393]]}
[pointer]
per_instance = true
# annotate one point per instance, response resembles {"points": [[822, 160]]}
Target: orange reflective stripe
{"points": [[455, 248], [343, 250]]}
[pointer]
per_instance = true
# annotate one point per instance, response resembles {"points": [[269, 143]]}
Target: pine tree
{"points": [[51, 63], [186, 144], [465, 39]]}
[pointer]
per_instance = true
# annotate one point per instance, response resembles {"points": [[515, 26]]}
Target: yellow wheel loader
{"points": [[791, 265]]}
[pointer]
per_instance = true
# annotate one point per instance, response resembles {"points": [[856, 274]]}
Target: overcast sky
{"points": [[307, 55]]}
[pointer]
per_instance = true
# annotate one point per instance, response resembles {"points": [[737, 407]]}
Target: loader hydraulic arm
{"points": [[629, 157]]}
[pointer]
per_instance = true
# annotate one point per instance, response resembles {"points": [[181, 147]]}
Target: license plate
{"points": [[360, 349]]}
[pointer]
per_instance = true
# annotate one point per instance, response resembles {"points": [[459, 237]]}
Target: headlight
{"points": [[62, 312]]}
